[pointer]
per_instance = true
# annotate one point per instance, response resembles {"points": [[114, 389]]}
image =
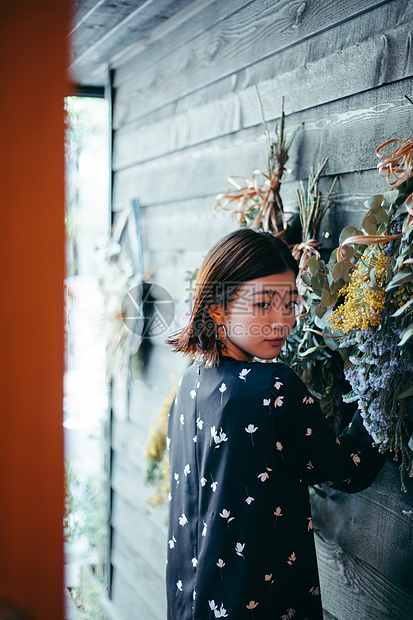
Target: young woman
{"points": [[245, 440]]}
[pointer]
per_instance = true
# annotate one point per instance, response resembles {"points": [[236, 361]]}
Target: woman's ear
{"points": [[216, 313]]}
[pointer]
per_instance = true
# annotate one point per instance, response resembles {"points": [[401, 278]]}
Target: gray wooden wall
{"points": [[185, 117]]}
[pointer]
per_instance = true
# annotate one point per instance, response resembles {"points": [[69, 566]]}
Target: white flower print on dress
{"points": [[251, 429], [310, 524], [265, 475], [239, 548], [222, 389], [172, 542], [214, 484], [249, 499], [310, 466], [192, 393], [187, 469], [182, 519], [203, 481], [277, 383], [291, 559], [221, 565], [178, 586], [269, 579], [278, 402], [308, 400], [168, 443], [290, 613], [277, 513], [200, 423], [225, 514], [176, 477], [212, 605], [182, 419], [314, 591], [242, 375], [266, 402], [356, 458], [280, 447], [221, 613], [194, 562], [204, 529], [218, 439]]}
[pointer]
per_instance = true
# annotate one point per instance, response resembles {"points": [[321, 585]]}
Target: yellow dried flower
{"points": [[364, 299], [156, 453], [158, 431]]}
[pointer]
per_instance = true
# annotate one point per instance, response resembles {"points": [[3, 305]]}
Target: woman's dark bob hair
{"points": [[241, 256]]}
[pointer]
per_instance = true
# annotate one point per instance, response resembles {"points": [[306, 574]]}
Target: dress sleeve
{"points": [[307, 445]]}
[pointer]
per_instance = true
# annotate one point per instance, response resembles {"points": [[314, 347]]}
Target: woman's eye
{"points": [[292, 304], [263, 305]]}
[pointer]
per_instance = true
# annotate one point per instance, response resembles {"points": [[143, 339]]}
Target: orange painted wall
{"points": [[33, 44]]}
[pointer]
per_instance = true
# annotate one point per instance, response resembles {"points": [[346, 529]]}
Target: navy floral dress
{"points": [[245, 441]]}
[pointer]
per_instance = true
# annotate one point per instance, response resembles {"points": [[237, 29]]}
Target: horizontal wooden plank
{"points": [[129, 439], [192, 225], [193, 20], [98, 20], [350, 588], [347, 132], [189, 228], [112, 27], [338, 62], [142, 531], [244, 37], [387, 489], [131, 597], [357, 522], [179, 34]]}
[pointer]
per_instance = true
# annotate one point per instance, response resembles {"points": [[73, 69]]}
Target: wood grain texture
{"points": [[144, 534], [357, 522], [350, 588], [190, 227], [99, 34], [131, 597], [199, 16], [346, 131], [97, 20], [336, 63], [250, 34], [129, 440]]}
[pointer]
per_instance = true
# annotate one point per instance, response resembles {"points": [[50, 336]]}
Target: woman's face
{"points": [[260, 318]]}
